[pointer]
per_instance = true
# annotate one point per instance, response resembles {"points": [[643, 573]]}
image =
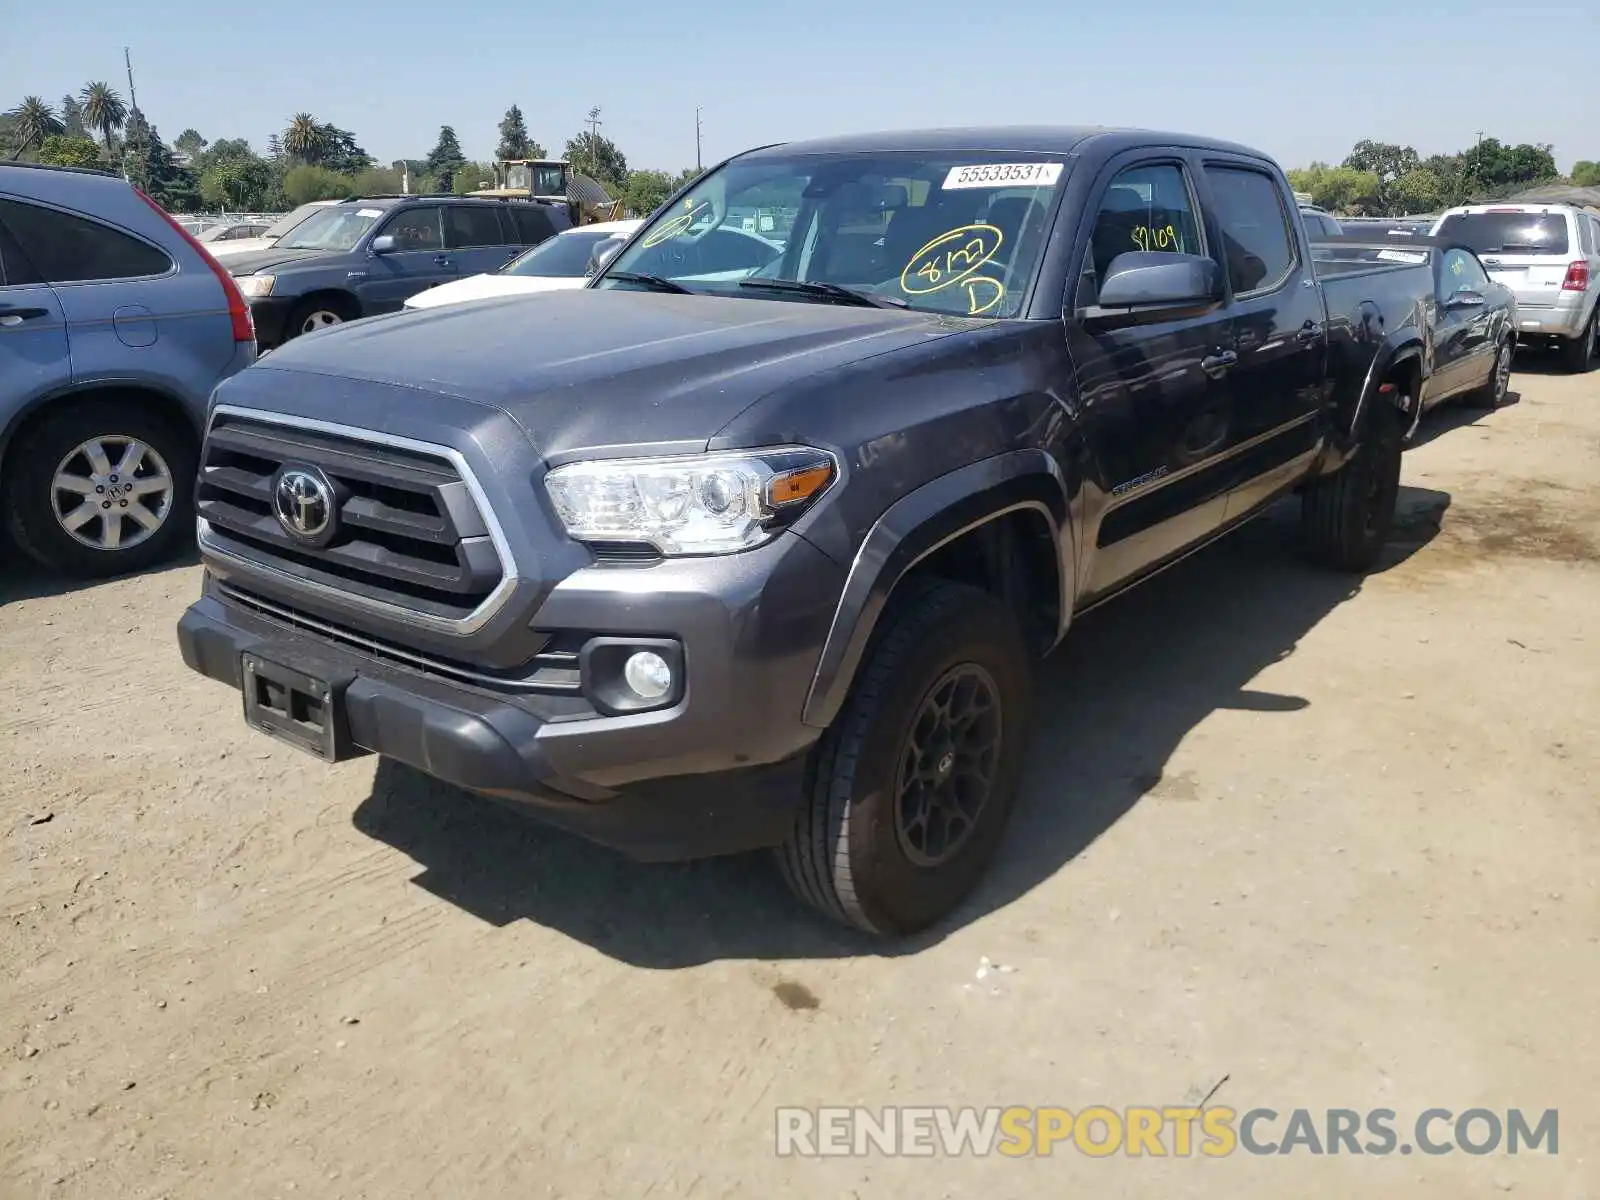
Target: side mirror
{"points": [[1465, 298], [1146, 280], [383, 244], [603, 254]]}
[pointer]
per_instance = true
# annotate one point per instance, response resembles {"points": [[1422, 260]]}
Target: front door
{"points": [[1463, 351], [1278, 328], [418, 261], [1157, 394]]}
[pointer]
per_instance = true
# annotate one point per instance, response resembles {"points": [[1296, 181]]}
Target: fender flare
{"points": [[77, 389], [1403, 345], [914, 527]]}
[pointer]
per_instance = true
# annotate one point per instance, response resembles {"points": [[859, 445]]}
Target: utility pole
{"points": [[133, 100], [594, 139], [697, 166]]}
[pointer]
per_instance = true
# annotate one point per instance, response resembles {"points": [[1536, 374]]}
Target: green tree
{"points": [[31, 122], [470, 176], [189, 143], [686, 176], [1337, 189], [152, 169], [60, 150], [103, 111], [1586, 173], [378, 181], [241, 183], [72, 117], [647, 191], [338, 151], [514, 139], [305, 183], [445, 159], [1388, 162], [303, 138], [598, 157], [1417, 191]]}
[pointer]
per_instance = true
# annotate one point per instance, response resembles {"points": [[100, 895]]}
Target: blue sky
{"points": [[1300, 81]]}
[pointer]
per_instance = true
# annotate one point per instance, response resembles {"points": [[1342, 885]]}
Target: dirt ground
{"points": [[1324, 843]]}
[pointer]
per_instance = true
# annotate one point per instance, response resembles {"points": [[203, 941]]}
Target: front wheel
{"points": [[1346, 516], [101, 488], [320, 312], [910, 788]]}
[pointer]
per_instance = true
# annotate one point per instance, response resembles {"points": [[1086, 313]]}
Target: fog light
{"points": [[648, 675]]}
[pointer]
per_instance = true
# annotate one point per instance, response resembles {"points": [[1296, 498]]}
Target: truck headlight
{"points": [[255, 285], [689, 504]]}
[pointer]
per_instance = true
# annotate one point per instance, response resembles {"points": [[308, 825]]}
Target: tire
{"points": [[849, 855], [1346, 516], [1493, 393], [318, 312], [38, 512], [1577, 354]]}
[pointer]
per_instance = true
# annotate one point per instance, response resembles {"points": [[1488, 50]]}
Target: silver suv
{"points": [[1549, 256]]}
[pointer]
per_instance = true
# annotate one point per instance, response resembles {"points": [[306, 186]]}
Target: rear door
{"points": [[419, 260], [474, 239], [1525, 247], [1278, 330], [34, 358], [105, 279]]}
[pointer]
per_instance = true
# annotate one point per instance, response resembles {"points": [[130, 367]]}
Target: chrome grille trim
{"points": [[456, 626]]}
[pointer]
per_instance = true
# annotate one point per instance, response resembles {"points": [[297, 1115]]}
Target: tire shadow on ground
{"points": [[1130, 681]]}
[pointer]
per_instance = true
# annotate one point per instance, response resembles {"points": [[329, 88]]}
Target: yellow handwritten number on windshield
{"points": [[953, 259], [673, 226], [1148, 237]]}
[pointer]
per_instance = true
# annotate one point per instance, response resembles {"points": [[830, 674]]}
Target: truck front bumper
{"points": [[719, 771]]}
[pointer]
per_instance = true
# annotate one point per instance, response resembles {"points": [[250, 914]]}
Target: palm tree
{"points": [[304, 137], [31, 122], [103, 110]]}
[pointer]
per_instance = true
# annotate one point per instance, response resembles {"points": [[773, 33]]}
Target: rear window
{"points": [[69, 249], [1508, 233]]}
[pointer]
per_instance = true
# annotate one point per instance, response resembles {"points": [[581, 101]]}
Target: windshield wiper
{"points": [[830, 291], [654, 282]]}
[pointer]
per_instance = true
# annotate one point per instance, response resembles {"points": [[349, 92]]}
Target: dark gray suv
{"points": [[370, 254]]}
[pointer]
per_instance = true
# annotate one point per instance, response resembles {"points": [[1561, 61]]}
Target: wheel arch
{"points": [[1001, 523], [155, 398]]}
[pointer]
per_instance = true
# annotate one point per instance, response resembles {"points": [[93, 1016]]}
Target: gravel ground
{"points": [[1299, 841]]}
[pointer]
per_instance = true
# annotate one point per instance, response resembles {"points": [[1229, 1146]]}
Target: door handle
{"points": [[1218, 364], [11, 314], [442, 260], [1309, 332]]}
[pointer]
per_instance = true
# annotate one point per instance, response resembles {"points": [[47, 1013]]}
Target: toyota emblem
{"points": [[303, 502]]}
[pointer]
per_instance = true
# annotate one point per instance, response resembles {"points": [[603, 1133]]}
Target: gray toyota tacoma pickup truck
{"points": [[696, 561]]}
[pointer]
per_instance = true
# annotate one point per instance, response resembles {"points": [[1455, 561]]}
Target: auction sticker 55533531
{"points": [[994, 175]]}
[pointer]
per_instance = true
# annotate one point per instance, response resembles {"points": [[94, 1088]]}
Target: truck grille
{"points": [[406, 530]]}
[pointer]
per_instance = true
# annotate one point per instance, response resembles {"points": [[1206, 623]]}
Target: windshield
{"points": [[331, 229], [1507, 233], [952, 232], [565, 256]]}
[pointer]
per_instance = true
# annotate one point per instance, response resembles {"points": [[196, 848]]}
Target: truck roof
{"points": [[1017, 139]]}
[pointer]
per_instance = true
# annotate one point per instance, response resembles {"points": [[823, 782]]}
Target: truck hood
{"points": [[597, 369], [260, 260]]}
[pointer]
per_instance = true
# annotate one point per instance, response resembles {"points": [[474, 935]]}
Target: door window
{"points": [[416, 229], [1146, 207], [1462, 271], [69, 249], [469, 225], [533, 223], [1256, 244]]}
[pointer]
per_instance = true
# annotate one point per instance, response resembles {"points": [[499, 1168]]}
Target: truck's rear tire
{"points": [[1346, 516], [910, 788], [1577, 354]]}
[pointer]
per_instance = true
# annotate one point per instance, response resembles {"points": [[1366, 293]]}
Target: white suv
{"points": [[1549, 256]]}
